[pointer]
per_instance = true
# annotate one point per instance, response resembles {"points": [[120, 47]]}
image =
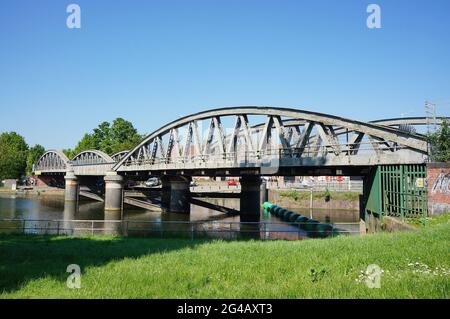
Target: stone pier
{"points": [[113, 192], [250, 198], [72, 187], [175, 194]]}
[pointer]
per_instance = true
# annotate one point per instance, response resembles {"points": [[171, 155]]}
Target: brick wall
{"points": [[50, 181], [438, 188]]}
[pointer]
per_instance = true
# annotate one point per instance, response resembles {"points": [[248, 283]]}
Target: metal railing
{"points": [[333, 186], [173, 229], [252, 157]]}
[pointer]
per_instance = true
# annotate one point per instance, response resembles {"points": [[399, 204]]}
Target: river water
{"points": [[50, 214]]}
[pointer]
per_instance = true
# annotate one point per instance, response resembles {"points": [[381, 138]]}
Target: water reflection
{"points": [[90, 217]]}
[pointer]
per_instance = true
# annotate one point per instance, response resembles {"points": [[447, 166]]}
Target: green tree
{"points": [[68, 152], [34, 154], [88, 142], [123, 136], [119, 136], [13, 155], [440, 143]]}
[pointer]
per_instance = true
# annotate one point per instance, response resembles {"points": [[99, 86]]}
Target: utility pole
{"points": [[430, 111]]}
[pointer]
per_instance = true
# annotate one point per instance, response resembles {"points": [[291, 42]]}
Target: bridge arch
{"points": [[52, 161], [91, 157], [312, 135]]}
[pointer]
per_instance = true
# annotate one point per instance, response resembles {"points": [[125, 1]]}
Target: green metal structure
{"points": [[395, 190]]}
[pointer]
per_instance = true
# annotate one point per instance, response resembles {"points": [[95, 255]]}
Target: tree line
{"points": [[111, 138], [17, 158]]}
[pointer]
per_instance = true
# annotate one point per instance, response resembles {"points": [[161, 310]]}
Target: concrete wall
{"points": [[387, 224], [276, 198], [438, 188], [10, 183]]}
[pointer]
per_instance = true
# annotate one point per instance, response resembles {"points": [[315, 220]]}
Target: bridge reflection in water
{"points": [[54, 217]]}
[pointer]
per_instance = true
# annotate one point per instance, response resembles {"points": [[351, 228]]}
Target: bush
{"points": [[327, 195]]}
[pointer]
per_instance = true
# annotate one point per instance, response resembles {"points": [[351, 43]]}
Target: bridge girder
{"points": [[117, 157], [294, 138]]}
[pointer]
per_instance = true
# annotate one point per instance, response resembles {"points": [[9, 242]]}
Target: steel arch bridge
{"points": [[258, 139], [287, 138]]}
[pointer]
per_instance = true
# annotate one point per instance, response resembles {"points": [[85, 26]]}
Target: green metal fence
{"points": [[396, 190]]}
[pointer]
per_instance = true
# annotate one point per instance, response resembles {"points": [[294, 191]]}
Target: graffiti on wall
{"points": [[442, 184]]}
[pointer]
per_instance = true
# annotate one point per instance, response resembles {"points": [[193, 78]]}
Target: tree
{"points": [[88, 142], [34, 154], [440, 143], [123, 136], [111, 139], [13, 155]]}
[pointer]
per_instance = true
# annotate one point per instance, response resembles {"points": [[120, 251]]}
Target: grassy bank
{"points": [[306, 195], [430, 221], [415, 264]]}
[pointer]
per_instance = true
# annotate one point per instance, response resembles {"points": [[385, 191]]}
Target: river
{"points": [[50, 214]]}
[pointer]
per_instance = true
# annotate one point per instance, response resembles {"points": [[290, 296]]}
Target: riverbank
{"points": [[321, 200], [33, 191], [415, 264]]}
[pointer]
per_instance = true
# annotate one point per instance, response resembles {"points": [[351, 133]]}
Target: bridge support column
{"points": [[250, 198], [72, 187], [176, 194], [165, 194], [264, 192], [113, 192]]}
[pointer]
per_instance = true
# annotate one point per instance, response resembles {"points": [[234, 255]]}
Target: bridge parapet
{"points": [[92, 169]]}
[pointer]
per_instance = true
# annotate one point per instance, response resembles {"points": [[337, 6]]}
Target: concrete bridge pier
{"points": [[165, 194], [175, 194], [250, 198], [72, 187], [113, 192]]}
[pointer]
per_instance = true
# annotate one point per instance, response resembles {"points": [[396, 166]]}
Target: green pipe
{"points": [[313, 227]]}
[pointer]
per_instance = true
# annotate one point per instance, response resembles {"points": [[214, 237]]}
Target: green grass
{"points": [[35, 266], [305, 195], [430, 221]]}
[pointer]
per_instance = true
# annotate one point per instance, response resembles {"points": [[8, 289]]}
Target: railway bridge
{"points": [[249, 142]]}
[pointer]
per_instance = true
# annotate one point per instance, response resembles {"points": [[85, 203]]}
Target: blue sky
{"points": [[153, 61]]}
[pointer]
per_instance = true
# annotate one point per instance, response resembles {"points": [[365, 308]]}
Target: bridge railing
{"points": [[88, 163], [256, 158]]}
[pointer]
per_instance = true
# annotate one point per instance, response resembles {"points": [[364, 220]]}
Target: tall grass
{"points": [[430, 221]]}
